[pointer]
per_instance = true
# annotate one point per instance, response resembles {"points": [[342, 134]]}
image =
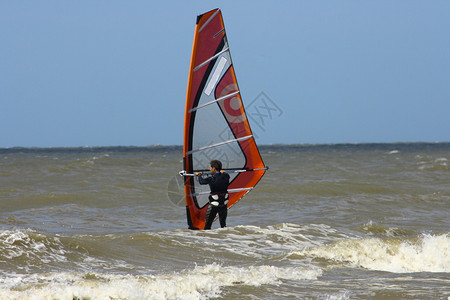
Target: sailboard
{"points": [[216, 126]]}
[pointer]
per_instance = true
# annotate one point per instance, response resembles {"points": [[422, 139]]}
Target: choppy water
{"points": [[326, 222]]}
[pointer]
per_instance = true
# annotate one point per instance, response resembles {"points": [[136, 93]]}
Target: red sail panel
{"points": [[216, 126]]}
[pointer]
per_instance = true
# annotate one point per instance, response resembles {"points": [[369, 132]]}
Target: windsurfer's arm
{"points": [[201, 179]]}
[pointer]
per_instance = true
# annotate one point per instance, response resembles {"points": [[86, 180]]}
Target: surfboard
{"points": [[215, 125]]}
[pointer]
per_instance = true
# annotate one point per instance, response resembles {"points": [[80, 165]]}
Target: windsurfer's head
{"points": [[216, 164]]}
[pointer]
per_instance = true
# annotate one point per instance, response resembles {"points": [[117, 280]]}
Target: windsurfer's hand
{"points": [[198, 173]]}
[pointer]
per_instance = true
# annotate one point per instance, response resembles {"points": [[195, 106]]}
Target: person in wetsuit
{"points": [[218, 197]]}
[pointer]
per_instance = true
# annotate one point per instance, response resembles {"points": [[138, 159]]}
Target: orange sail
{"points": [[215, 126]]}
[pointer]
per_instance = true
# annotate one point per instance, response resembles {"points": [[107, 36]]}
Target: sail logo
{"points": [[232, 107]]}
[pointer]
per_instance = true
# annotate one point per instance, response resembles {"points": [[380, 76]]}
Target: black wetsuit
{"points": [[219, 184]]}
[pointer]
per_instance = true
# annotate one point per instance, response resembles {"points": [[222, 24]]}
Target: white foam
{"points": [[428, 253], [200, 283], [338, 296]]}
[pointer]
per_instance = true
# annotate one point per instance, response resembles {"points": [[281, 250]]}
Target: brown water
{"points": [[325, 222]]}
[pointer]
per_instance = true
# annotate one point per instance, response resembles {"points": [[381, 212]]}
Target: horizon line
{"points": [[176, 146]]}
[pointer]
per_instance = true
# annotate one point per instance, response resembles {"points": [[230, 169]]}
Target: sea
{"points": [[344, 221]]}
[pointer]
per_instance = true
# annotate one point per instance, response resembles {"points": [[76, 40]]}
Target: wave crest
{"points": [[427, 253]]}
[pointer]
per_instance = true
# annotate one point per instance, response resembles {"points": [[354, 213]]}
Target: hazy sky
{"points": [[109, 73]]}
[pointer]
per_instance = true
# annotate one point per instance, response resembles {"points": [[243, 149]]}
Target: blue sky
{"points": [[110, 73]]}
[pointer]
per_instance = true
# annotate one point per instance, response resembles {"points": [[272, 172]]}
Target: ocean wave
{"points": [[426, 253], [375, 229], [438, 164], [202, 282], [27, 251]]}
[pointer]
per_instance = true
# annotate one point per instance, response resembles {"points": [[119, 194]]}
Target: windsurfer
{"points": [[218, 198]]}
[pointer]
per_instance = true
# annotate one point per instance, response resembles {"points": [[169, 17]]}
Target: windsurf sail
{"points": [[216, 125]]}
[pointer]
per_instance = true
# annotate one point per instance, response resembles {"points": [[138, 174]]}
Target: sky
{"points": [[114, 73]]}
